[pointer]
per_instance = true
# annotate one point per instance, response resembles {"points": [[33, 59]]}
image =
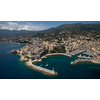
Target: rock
{"points": [[13, 51], [23, 58]]}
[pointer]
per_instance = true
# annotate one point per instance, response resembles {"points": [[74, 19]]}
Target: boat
{"points": [[46, 65], [40, 65]]}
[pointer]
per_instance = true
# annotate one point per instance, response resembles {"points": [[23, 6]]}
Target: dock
{"points": [[80, 56]]}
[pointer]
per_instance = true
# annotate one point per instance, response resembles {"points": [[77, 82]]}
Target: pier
{"points": [[79, 60], [40, 69], [85, 60], [80, 56]]}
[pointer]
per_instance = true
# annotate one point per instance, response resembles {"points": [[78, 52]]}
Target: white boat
{"points": [[46, 65], [40, 65]]}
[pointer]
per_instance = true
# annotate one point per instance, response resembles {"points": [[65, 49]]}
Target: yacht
{"points": [[46, 65]]}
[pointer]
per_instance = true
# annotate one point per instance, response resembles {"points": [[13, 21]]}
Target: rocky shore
{"points": [[13, 51], [22, 58], [34, 67]]}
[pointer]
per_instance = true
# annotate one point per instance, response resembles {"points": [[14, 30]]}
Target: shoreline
{"points": [[30, 63], [45, 56], [32, 66], [13, 42]]}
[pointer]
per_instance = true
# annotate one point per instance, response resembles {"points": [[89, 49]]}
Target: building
{"points": [[68, 49], [51, 46]]}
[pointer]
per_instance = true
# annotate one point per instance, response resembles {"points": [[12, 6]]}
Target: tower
{"points": [[53, 70]]}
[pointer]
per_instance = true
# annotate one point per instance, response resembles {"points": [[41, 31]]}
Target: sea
{"points": [[12, 68]]}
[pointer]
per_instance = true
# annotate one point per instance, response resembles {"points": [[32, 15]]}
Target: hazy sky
{"points": [[36, 25]]}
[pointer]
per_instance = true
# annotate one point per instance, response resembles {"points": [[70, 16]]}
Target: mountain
{"points": [[77, 28], [80, 26], [74, 28], [5, 32]]}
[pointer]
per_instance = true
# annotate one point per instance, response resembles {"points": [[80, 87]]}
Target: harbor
{"points": [[46, 71], [15, 69], [50, 54]]}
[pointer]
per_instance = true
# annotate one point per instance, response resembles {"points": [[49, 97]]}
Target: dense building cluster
{"points": [[36, 46]]}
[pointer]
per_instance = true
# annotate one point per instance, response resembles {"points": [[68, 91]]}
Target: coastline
{"points": [[45, 56], [30, 63], [13, 42], [17, 43], [32, 66]]}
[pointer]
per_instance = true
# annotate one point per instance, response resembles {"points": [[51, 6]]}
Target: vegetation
{"points": [[60, 49], [44, 53], [24, 53], [27, 57], [32, 58], [19, 49]]}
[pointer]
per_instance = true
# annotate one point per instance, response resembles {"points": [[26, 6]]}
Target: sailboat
{"points": [[46, 65]]}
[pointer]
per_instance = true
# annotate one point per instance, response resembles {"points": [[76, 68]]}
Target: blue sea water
{"points": [[12, 68]]}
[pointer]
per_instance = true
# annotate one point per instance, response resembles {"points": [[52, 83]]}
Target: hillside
{"points": [[4, 32], [73, 28]]}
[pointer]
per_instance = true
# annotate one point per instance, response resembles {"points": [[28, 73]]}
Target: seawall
{"points": [[40, 69], [45, 56], [85, 60]]}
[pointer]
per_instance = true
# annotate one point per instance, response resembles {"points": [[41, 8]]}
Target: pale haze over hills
{"points": [[37, 25]]}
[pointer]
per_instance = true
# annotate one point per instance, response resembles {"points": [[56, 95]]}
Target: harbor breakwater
{"points": [[85, 60], [40, 69]]}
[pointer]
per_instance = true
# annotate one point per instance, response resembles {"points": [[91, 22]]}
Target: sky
{"points": [[37, 25]]}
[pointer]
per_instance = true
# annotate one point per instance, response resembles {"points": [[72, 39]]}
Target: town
{"points": [[37, 47]]}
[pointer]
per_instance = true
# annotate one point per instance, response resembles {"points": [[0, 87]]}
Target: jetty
{"points": [[80, 56], [41, 69], [85, 60]]}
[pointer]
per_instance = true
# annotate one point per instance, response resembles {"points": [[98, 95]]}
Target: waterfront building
{"points": [[68, 49]]}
